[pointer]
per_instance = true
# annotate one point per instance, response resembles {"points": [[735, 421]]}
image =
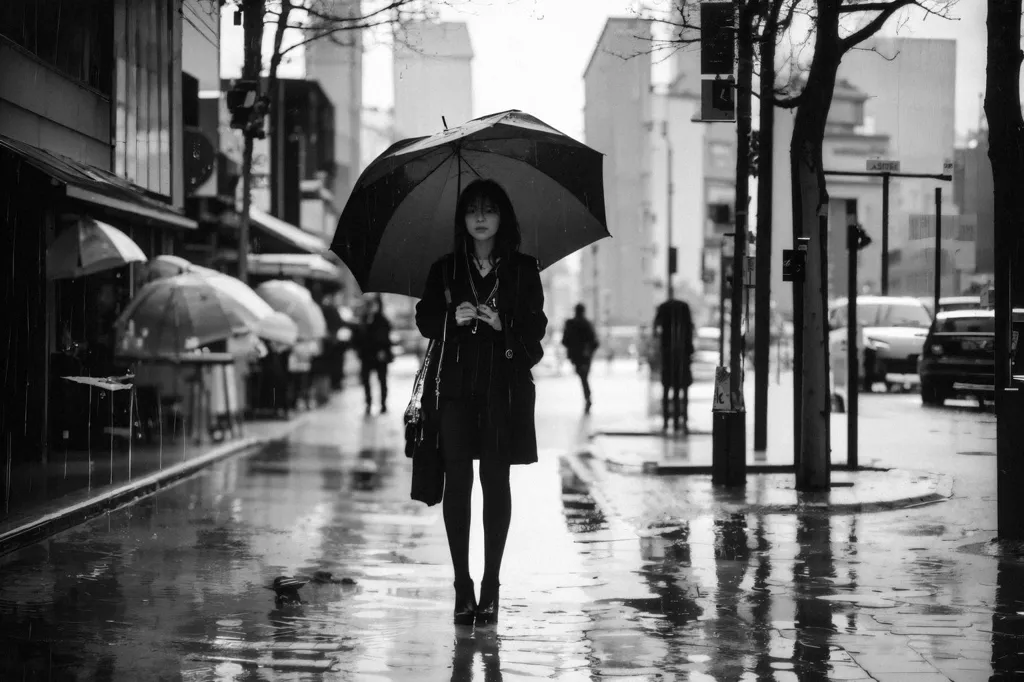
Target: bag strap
{"points": [[444, 336]]}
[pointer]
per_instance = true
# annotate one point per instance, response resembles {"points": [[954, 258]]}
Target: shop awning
{"points": [[309, 265], [297, 238], [94, 186]]}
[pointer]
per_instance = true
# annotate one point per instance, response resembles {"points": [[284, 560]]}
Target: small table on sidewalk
{"points": [[198, 402], [111, 384]]}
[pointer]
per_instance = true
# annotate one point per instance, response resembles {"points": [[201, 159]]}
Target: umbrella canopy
{"points": [[278, 327], [176, 315], [240, 300], [88, 247], [295, 301], [162, 266], [400, 216]]}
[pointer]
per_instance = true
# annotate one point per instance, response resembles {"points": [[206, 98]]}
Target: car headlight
{"points": [[875, 344]]}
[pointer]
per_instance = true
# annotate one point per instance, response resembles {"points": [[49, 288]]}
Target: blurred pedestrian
{"points": [[332, 353], [492, 328], [673, 327], [580, 343], [373, 346]]}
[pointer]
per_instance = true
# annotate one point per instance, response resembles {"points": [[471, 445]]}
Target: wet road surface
{"points": [[175, 586]]}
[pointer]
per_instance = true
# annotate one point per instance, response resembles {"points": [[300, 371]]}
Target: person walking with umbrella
{"points": [[494, 326], [373, 345], [580, 343]]}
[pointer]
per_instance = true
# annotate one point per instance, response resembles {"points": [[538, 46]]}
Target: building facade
{"points": [[616, 281], [896, 103], [433, 78], [91, 129], [337, 65]]}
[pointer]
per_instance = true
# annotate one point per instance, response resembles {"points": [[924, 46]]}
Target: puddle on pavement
{"points": [[176, 586]]}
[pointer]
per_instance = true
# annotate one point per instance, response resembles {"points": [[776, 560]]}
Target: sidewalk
{"points": [[77, 487], [631, 445]]}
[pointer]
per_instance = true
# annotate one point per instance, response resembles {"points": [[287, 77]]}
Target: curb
{"points": [[943, 490], [129, 493]]}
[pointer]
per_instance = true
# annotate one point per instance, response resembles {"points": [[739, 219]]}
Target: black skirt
{"points": [[467, 431]]}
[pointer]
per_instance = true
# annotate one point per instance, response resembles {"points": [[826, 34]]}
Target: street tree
{"points": [[338, 21], [829, 29], [1006, 153]]}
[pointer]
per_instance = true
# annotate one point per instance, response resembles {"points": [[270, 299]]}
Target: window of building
{"points": [[73, 36]]}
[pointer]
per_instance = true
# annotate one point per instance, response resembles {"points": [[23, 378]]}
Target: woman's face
{"points": [[482, 219]]}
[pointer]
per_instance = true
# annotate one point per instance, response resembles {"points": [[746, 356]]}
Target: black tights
{"points": [[460, 439]]}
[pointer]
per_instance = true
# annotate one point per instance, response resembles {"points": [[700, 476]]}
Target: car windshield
{"points": [[967, 325], [893, 315]]}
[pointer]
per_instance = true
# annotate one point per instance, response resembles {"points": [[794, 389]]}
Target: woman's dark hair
{"points": [[507, 241]]}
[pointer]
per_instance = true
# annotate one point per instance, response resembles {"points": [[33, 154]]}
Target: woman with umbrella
{"points": [[495, 324], [395, 236]]}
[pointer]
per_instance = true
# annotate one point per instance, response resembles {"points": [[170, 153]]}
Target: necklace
{"points": [[476, 295]]}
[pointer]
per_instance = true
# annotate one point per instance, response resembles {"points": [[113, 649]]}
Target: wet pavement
{"points": [[175, 586]]}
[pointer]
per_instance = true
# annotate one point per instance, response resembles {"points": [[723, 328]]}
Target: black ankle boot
{"points": [[487, 613], [465, 603]]}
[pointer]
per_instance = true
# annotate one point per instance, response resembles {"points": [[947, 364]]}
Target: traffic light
{"points": [[257, 118], [241, 99], [856, 237]]}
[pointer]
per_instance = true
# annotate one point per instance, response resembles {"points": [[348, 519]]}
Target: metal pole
{"points": [[885, 234], [670, 270], [252, 24], [763, 248], [938, 248], [721, 303], [852, 359], [729, 431]]}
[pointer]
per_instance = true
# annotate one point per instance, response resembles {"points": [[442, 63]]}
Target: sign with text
{"points": [[883, 166], [718, 39]]}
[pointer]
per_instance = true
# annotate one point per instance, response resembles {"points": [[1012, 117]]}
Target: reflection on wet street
{"points": [[178, 586]]}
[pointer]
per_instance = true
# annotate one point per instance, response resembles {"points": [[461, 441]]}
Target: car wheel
{"points": [[867, 384], [930, 395]]}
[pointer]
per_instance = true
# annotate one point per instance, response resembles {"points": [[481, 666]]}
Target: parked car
{"points": [[892, 333], [951, 303], [958, 357]]}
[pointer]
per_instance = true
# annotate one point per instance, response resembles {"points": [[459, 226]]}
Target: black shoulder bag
{"points": [[422, 435]]}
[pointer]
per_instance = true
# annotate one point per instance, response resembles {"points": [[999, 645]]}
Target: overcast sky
{"points": [[530, 55]]}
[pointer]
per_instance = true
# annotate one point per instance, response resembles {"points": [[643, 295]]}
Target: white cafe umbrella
{"points": [[88, 247]]}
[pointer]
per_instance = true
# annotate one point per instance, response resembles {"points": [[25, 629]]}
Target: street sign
{"points": [[718, 39], [883, 166], [793, 265], [717, 101]]}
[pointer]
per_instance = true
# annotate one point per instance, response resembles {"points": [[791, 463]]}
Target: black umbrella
{"points": [[400, 216]]}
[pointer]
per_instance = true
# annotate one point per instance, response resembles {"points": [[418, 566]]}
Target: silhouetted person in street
{"points": [[673, 328], [373, 345], [580, 343]]}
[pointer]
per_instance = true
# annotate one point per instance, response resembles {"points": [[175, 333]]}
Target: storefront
{"points": [[62, 324]]}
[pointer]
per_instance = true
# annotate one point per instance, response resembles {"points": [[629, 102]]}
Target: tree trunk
{"points": [[1006, 153], [810, 211]]}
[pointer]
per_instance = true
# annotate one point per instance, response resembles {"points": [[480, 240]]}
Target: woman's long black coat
{"points": [[511, 394]]}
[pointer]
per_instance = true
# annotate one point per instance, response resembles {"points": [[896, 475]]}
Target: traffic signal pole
{"points": [[729, 432], [252, 26]]}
